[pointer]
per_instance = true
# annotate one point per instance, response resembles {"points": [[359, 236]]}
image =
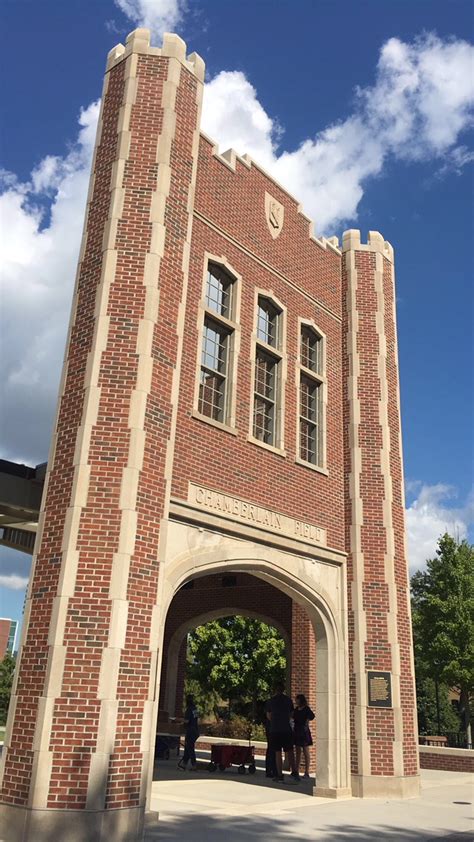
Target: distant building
{"points": [[8, 630]]}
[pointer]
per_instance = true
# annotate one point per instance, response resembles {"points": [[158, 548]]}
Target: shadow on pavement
{"points": [[208, 828], [167, 770]]}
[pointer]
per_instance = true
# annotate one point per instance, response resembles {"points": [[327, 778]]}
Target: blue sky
{"points": [[362, 109]]}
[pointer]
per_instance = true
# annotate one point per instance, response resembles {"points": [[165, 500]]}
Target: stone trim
{"points": [[281, 354], [138, 42], [151, 707], [42, 760], [321, 378], [110, 662], [389, 560], [357, 516], [234, 326], [385, 786], [462, 753], [229, 159], [181, 510], [52, 449], [376, 243], [225, 234]]}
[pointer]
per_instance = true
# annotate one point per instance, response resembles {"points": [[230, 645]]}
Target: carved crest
{"points": [[274, 213]]}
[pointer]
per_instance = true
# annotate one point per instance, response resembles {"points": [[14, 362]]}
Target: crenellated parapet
{"points": [[375, 243], [173, 47], [230, 158]]}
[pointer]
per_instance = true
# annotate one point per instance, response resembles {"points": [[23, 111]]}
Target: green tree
{"points": [[443, 620], [236, 659], [7, 668], [436, 714]]}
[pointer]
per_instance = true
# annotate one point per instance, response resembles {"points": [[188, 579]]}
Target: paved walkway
{"points": [[229, 807]]}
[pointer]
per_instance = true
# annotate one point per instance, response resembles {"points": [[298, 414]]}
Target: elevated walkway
{"points": [[21, 489]]}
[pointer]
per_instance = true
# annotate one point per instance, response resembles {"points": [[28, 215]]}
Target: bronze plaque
{"points": [[380, 689]]}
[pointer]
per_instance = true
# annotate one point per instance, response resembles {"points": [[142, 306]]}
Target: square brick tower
{"points": [[229, 405]]}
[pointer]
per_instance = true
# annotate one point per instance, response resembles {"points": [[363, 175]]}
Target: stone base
{"points": [[381, 786], [21, 824], [332, 792]]}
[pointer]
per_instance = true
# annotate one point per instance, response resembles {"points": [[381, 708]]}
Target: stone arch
{"points": [[179, 634], [316, 584]]}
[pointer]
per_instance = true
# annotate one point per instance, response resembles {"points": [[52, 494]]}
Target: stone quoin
{"points": [[229, 414]]}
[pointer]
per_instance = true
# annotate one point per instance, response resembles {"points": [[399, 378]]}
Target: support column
{"points": [[76, 761], [383, 738], [303, 665]]}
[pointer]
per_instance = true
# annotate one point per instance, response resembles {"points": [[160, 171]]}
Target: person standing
{"points": [[270, 767], [191, 721], [279, 715], [302, 716]]}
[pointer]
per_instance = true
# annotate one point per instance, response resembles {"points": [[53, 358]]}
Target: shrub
{"points": [[237, 728]]}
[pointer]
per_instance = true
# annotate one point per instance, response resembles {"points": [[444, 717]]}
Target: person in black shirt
{"points": [[302, 716], [279, 715], [191, 735], [270, 766]]}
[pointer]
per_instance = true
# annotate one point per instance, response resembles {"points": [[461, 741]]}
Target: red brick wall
{"points": [[235, 203], [76, 712], [303, 664], [35, 650], [207, 594], [374, 532], [404, 633], [229, 220], [443, 761]]}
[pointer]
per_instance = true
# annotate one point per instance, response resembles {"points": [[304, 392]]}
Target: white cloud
{"points": [[13, 582], [418, 106], [41, 223], [158, 15], [429, 516], [420, 103]]}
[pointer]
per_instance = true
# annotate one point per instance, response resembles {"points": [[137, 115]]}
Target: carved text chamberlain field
{"points": [[242, 510]]}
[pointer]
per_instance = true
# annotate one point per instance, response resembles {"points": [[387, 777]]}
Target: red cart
{"points": [[223, 756]]}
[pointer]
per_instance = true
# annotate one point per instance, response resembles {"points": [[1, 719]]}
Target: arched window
{"points": [[214, 399], [267, 392], [311, 397]]}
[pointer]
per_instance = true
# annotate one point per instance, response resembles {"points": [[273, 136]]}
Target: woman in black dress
{"points": [[302, 716]]}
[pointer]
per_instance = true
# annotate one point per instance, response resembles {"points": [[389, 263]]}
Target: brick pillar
{"points": [[77, 751], [383, 740], [180, 677], [303, 664]]}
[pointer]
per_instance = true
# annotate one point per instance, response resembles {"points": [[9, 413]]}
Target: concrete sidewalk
{"points": [[228, 807]]}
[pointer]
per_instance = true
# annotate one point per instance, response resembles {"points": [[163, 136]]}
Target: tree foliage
{"points": [[443, 619], [7, 669], [236, 659]]}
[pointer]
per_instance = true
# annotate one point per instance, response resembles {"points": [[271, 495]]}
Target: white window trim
{"points": [[281, 353], [321, 378], [229, 425]]}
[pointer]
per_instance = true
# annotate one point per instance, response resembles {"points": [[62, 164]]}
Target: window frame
{"points": [[231, 325], [319, 378], [278, 353]]}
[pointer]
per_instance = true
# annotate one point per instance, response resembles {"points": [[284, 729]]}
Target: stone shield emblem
{"points": [[274, 213]]}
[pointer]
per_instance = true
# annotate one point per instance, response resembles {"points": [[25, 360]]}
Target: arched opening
{"points": [[316, 589], [211, 598]]}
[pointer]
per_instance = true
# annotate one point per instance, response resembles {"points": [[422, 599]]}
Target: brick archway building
{"points": [[229, 405]]}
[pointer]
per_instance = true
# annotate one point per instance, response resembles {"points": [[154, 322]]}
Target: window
{"points": [[217, 344], [219, 291], [267, 383], [311, 385], [214, 357]]}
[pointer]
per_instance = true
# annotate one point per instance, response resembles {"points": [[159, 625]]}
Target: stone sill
{"points": [[447, 752]]}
